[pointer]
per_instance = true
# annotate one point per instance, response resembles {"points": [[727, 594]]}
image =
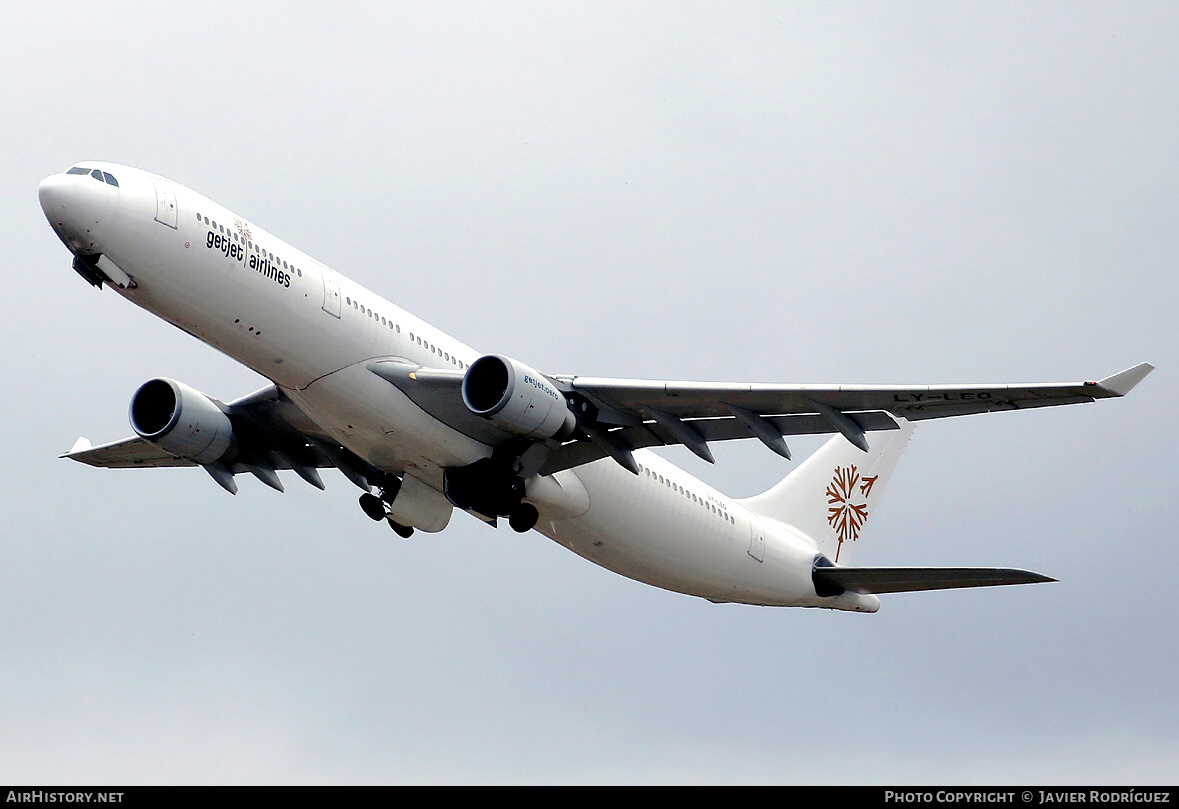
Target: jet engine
{"points": [[516, 398], [182, 421]]}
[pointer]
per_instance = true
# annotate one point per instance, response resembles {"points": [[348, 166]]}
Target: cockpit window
{"points": [[78, 170], [110, 179], [96, 174]]}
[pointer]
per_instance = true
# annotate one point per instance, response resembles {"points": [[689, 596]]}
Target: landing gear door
{"points": [[331, 292], [165, 203], [757, 539]]}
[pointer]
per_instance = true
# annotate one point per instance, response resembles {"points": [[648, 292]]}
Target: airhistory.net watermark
{"points": [[44, 796]]}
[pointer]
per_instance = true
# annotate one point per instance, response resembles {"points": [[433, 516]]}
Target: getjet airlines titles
{"points": [[424, 424]]}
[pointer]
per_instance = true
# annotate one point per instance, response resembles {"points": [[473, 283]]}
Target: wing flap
{"points": [[653, 434]]}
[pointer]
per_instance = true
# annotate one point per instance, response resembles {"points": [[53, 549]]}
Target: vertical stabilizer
{"points": [[831, 494]]}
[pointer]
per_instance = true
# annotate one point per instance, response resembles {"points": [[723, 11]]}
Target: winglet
{"points": [[1122, 383], [81, 445]]}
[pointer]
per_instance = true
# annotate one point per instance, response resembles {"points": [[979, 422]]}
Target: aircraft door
{"points": [[757, 539], [165, 203], [331, 292]]}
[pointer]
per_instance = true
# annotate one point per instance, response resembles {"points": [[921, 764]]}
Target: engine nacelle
{"points": [[516, 398], [182, 421]]}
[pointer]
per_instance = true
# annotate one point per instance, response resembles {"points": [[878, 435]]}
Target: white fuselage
{"points": [[312, 332]]}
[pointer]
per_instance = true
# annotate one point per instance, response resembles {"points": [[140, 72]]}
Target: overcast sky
{"points": [[884, 193]]}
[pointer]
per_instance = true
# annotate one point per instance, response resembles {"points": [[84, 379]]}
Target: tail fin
{"points": [[831, 494]]}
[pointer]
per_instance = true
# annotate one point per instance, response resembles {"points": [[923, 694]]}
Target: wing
{"points": [[627, 414], [271, 434], [617, 416], [125, 454]]}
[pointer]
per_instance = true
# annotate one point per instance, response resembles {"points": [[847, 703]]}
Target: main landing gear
{"points": [[492, 487], [374, 506], [523, 518]]}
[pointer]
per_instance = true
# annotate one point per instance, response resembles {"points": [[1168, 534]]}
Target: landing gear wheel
{"points": [[523, 518], [372, 506], [403, 531]]}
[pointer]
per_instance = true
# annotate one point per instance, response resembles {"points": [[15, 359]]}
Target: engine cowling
{"points": [[516, 398], [181, 420]]}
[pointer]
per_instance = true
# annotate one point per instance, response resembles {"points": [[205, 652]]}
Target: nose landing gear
{"points": [[403, 531]]}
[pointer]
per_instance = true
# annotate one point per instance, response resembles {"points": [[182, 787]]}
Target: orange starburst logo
{"points": [[844, 513], [243, 229]]}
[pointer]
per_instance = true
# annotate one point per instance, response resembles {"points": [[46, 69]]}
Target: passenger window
{"points": [[110, 180], [198, 217], [206, 220]]}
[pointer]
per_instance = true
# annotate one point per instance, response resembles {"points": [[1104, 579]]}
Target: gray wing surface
{"points": [[635, 413], [272, 433], [913, 402], [126, 454]]}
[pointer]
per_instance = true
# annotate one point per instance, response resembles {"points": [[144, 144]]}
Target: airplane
{"points": [[424, 424]]}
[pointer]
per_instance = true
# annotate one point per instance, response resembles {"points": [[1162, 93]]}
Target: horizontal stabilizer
{"points": [[830, 581]]}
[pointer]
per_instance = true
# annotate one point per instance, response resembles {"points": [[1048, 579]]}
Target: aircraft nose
{"points": [[53, 194], [76, 207]]}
